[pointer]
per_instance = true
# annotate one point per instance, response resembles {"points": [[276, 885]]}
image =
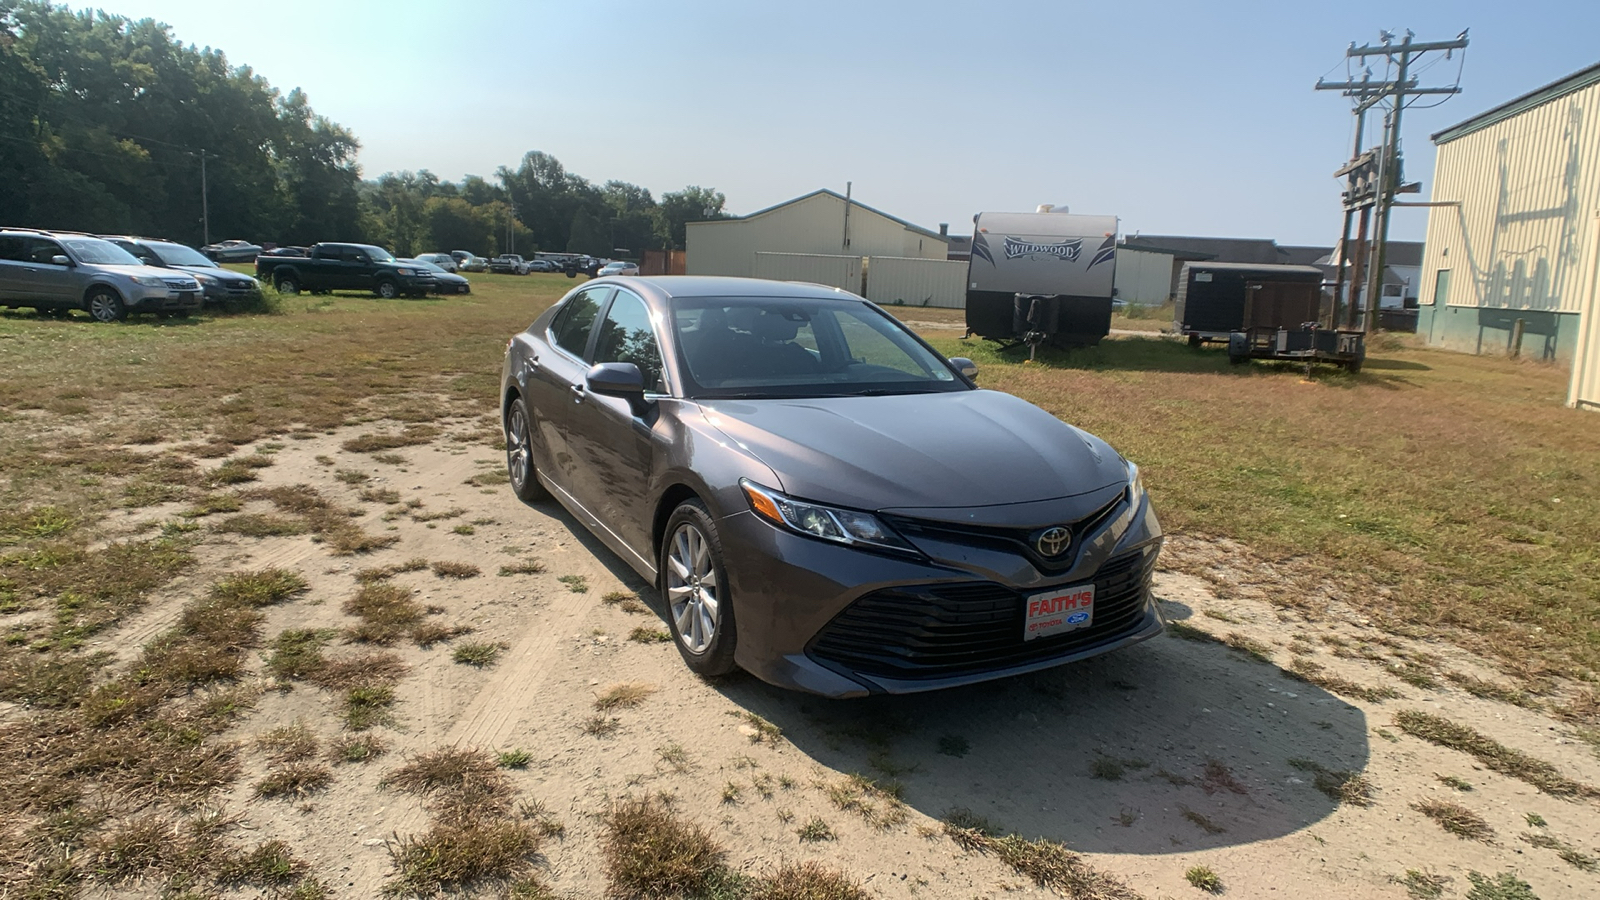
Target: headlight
{"points": [[406, 271], [205, 279], [148, 280], [844, 526], [1135, 484]]}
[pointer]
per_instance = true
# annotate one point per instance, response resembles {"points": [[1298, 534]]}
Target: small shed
{"points": [[1216, 299]]}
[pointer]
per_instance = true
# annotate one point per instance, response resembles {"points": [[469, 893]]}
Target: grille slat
{"points": [[936, 631]]}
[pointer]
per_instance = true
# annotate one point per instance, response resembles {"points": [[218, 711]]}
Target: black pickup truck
{"points": [[345, 267]]}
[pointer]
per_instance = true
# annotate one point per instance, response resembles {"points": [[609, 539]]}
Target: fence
{"points": [[817, 268], [917, 282], [662, 262]]}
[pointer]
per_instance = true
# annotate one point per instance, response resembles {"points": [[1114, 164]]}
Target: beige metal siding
{"points": [[1528, 189], [1584, 390], [816, 268], [917, 282], [1144, 277], [812, 225]]}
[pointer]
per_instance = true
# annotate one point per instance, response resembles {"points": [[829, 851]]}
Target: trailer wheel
{"points": [[1194, 341], [1353, 366]]}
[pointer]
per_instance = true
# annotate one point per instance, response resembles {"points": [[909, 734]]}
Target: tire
{"points": [[388, 290], [519, 455], [104, 305], [1194, 340], [694, 586], [287, 284]]}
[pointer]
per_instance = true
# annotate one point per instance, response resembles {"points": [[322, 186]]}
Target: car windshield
{"points": [[100, 253], [179, 255], [801, 347]]}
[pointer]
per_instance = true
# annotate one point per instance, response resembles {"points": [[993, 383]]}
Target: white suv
{"points": [[56, 272]]}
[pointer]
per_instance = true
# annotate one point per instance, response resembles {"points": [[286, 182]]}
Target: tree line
{"points": [[110, 125]]}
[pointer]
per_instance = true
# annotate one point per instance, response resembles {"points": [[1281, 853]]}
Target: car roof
{"points": [[666, 286]]}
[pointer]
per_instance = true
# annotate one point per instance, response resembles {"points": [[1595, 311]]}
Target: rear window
{"points": [[570, 328]]}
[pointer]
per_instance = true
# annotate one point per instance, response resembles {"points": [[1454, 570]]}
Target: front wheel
{"points": [[519, 456], [105, 306], [388, 290], [694, 583]]}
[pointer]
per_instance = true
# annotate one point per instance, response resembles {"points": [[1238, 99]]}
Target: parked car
{"points": [[232, 251], [447, 282], [541, 265], [822, 499], [360, 267], [618, 268], [218, 286], [443, 261], [56, 272], [508, 264], [473, 264]]}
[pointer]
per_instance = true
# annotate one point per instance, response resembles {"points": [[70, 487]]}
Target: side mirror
{"points": [[618, 379], [965, 366], [60, 260]]}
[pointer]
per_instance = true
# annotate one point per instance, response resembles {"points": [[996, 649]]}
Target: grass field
{"points": [[1433, 489]]}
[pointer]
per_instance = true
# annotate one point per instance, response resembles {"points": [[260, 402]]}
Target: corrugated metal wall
{"points": [[1585, 387], [814, 225], [917, 282], [1144, 277], [1528, 188], [817, 268]]}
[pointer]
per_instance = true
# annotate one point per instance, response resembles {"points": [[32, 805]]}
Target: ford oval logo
{"points": [[1053, 541]]}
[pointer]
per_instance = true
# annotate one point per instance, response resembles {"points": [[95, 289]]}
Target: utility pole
{"points": [[1368, 94], [844, 246], [205, 202]]}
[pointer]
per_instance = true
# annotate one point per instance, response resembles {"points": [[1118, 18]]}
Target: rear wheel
{"points": [[287, 284], [388, 290], [105, 306], [519, 455], [694, 583]]}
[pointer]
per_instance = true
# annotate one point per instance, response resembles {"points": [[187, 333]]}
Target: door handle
{"points": [[577, 393]]}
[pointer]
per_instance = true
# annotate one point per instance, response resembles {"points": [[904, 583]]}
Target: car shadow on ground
{"points": [[1165, 747]]}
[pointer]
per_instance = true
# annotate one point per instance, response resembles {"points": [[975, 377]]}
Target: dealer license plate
{"points": [[1053, 612]]}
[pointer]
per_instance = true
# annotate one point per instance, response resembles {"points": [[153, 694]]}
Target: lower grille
{"points": [[943, 630]]}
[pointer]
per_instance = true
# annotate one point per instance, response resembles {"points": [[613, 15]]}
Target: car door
{"points": [[613, 446], [358, 269], [50, 282], [18, 280], [555, 382]]}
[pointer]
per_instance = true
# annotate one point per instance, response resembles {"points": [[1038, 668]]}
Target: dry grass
{"points": [[646, 635], [387, 612], [624, 695], [1313, 673], [1046, 863], [1492, 753], [526, 567], [808, 880], [627, 602], [288, 743], [1338, 784], [1456, 819], [879, 804], [477, 654], [389, 440], [357, 748], [457, 570], [295, 779], [650, 852]]}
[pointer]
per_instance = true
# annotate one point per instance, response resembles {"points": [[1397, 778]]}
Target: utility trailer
{"points": [[1216, 299], [1041, 277], [1308, 344]]}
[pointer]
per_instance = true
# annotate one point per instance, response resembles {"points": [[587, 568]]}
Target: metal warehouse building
{"points": [[1514, 233], [826, 238]]}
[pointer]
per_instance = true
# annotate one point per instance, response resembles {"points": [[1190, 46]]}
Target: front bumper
{"points": [[149, 300], [833, 620], [232, 292]]}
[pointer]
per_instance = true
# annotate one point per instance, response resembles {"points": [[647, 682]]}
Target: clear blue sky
{"points": [[1179, 117]]}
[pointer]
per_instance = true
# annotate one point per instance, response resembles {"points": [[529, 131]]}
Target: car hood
{"points": [[219, 274], [918, 453]]}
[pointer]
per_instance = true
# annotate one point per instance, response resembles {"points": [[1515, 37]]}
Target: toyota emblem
{"points": [[1053, 541]]}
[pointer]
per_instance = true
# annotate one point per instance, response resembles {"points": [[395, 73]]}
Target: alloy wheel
{"points": [[692, 589], [517, 463]]}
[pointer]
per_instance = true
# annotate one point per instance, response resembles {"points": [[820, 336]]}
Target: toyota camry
{"points": [[822, 498]]}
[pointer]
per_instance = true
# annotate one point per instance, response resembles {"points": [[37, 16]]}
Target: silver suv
{"points": [[56, 272]]}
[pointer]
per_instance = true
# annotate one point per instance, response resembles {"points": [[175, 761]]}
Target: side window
{"points": [[572, 325], [14, 249], [351, 254], [627, 336], [43, 250]]}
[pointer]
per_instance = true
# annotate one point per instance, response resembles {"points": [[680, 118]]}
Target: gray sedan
{"points": [[820, 497]]}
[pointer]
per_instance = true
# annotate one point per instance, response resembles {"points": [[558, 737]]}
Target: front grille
{"points": [[942, 630], [1009, 540], [182, 284]]}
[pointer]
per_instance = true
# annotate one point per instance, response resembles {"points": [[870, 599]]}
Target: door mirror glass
{"points": [[60, 260], [965, 366]]}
